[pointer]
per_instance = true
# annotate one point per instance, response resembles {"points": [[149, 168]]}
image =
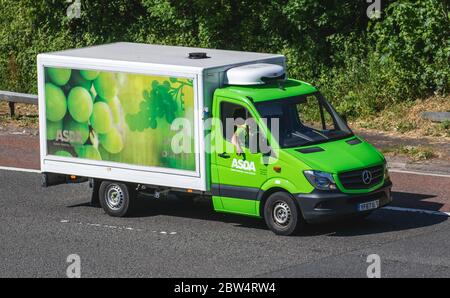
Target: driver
{"points": [[239, 137]]}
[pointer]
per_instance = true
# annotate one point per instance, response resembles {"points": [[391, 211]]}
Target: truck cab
{"points": [[282, 152]]}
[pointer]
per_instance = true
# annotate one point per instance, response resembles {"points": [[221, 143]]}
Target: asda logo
{"points": [[244, 165], [69, 136]]}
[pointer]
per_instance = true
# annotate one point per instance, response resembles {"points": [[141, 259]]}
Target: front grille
{"points": [[354, 179]]}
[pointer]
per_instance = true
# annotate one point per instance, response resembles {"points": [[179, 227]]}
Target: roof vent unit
{"points": [[255, 74], [198, 55]]}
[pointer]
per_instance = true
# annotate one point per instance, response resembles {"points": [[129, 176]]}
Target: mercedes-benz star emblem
{"points": [[367, 177]]}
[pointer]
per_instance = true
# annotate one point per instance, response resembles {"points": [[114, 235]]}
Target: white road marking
{"points": [[173, 233], [95, 225], [431, 212], [115, 227], [20, 170], [102, 226], [419, 173]]}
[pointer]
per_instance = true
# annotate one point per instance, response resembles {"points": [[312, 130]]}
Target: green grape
{"points": [[59, 76], [63, 153], [139, 121], [78, 132], [115, 107], [55, 102], [80, 104], [170, 116], [166, 84], [153, 123], [102, 118], [105, 85], [89, 75], [53, 128], [88, 152], [112, 141], [77, 80]]}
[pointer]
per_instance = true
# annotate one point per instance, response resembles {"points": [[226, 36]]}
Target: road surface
{"points": [[40, 228]]}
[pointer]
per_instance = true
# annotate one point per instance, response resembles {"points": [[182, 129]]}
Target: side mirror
{"points": [[344, 117]]}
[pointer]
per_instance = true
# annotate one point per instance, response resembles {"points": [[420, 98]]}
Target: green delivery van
{"points": [[228, 126]]}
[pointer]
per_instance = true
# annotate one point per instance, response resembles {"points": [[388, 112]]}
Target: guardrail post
{"points": [[11, 108], [13, 97]]}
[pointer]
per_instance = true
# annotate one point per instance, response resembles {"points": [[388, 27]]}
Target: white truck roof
{"points": [[165, 55]]}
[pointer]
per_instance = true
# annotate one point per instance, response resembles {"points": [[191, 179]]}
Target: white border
{"points": [[118, 171], [2, 168], [394, 170]]}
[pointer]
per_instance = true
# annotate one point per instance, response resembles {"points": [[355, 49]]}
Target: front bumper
{"points": [[322, 206]]}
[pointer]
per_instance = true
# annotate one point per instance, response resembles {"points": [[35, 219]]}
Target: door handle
{"points": [[224, 155]]}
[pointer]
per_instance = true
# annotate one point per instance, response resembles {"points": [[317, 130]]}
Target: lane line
{"points": [[120, 228], [66, 221], [20, 170], [419, 173], [431, 212]]}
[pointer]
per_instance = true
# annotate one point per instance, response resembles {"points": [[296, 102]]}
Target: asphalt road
{"points": [[39, 228]]}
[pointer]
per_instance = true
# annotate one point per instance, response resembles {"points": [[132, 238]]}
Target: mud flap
{"points": [[52, 179], [95, 185]]}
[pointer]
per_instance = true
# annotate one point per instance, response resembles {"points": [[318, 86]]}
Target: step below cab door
{"points": [[238, 170]]}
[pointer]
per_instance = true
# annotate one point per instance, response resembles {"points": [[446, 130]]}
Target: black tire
{"points": [[280, 205], [117, 199]]}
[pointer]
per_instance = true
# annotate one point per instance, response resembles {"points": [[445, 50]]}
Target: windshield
{"points": [[303, 120]]}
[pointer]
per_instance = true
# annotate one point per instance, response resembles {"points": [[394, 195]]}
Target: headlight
{"points": [[386, 173], [320, 180]]}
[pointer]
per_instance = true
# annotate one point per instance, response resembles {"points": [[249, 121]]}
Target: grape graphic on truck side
{"points": [[117, 116]]}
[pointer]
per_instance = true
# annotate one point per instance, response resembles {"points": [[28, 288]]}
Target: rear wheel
{"points": [[117, 199], [282, 215]]}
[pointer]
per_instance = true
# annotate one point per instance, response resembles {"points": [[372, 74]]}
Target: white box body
{"points": [[206, 74]]}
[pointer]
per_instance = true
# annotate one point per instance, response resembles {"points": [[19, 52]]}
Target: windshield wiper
{"points": [[320, 134], [315, 142], [300, 135]]}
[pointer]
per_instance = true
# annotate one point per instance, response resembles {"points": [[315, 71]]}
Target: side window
{"points": [[233, 119], [241, 130], [314, 115]]}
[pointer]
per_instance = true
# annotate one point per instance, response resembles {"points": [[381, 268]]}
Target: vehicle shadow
{"points": [[415, 200], [381, 221], [385, 220]]}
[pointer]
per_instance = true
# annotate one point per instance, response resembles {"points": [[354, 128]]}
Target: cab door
{"points": [[237, 175]]}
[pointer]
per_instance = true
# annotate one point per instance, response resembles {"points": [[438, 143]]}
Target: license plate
{"points": [[369, 205]]}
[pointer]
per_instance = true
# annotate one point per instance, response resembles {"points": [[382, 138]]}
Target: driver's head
{"points": [[239, 116]]}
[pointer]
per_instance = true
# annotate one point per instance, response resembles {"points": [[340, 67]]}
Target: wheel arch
{"points": [[273, 185], [265, 195]]}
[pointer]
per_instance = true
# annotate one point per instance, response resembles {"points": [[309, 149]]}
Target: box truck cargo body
{"points": [[137, 118], [127, 72]]}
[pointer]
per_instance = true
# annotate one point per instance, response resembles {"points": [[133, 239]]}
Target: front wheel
{"points": [[117, 199], [282, 215]]}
